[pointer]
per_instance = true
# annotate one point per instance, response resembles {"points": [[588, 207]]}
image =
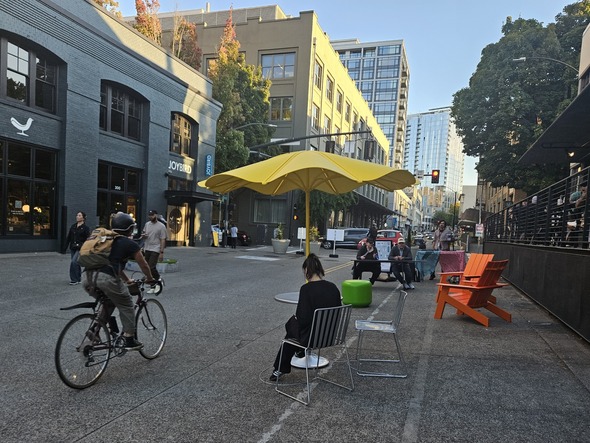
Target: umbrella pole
{"points": [[307, 217]]}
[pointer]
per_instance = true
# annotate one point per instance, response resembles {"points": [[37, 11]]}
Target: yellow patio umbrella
{"points": [[306, 171]]}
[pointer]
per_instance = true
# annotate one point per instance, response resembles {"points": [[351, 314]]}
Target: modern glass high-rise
{"points": [[380, 71], [432, 142]]}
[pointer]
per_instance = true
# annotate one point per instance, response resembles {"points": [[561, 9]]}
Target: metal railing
{"points": [[551, 217]]}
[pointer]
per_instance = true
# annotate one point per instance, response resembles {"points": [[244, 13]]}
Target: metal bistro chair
{"points": [[388, 327], [328, 329]]}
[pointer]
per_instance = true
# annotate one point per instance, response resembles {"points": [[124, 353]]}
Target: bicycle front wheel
{"points": [[82, 352], [152, 328]]}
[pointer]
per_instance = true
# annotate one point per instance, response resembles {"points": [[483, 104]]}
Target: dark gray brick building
{"points": [[96, 118]]}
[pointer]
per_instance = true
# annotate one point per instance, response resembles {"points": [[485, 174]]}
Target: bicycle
{"points": [[89, 341]]}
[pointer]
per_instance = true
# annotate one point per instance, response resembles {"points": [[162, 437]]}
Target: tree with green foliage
{"points": [[110, 5], [244, 94], [442, 215], [184, 43], [147, 21], [322, 204], [507, 106]]}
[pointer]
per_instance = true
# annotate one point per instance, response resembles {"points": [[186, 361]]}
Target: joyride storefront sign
{"points": [[181, 167]]}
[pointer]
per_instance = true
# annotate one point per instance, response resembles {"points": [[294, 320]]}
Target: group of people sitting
{"points": [[400, 256]]}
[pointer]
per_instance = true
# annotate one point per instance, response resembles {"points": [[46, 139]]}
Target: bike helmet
{"points": [[122, 222]]}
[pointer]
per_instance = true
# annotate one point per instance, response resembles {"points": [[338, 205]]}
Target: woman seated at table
{"points": [[317, 293], [369, 263], [402, 254]]}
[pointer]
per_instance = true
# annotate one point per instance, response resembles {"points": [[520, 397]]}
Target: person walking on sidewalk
{"points": [[77, 235], [234, 236], [154, 234]]}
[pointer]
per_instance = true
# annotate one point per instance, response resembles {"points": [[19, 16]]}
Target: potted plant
{"points": [[279, 243], [314, 240]]}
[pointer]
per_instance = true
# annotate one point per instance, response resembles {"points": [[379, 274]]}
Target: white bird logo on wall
{"points": [[22, 128]]}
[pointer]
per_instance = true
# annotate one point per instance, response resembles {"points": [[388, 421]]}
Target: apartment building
{"points": [[311, 94], [381, 72], [431, 143]]}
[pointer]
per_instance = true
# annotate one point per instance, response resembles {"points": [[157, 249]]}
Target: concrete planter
{"points": [[314, 247], [280, 246], [163, 268]]}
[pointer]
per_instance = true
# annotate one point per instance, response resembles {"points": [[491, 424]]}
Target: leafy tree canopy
{"points": [[110, 5], [147, 21], [322, 204], [244, 94], [184, 44], [507, 106], [443, 215]]}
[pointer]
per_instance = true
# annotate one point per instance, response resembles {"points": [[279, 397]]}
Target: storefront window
{"points": [[19, 160], [268, 210], [27, 190]]}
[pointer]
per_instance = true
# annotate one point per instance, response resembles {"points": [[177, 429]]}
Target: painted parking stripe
{"points": [[254, 257]]}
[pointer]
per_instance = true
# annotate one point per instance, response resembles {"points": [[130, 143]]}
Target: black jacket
{"points": [[314, 295], [77, 236]]}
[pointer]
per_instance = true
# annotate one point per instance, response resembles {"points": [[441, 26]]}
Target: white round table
{"points": [[312, 359]]}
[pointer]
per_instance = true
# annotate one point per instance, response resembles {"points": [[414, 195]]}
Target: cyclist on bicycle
{"points": [[112, 280]]}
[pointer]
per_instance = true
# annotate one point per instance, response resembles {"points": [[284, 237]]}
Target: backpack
{"points": [[95, 251]]}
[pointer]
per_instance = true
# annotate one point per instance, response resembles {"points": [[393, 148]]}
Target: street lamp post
{"points": [[524, 59], [269, 125]]}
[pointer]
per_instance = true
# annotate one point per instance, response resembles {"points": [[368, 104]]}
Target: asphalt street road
{"points": [[528, 380]]}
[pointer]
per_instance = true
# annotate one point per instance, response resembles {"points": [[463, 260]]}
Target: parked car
{"points": [[418, 239], [243, 238], [351, 238], [383, 234]]}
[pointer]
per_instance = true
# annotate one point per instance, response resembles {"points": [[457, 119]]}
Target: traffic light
{"points": [[435, 175], [295, 215]]}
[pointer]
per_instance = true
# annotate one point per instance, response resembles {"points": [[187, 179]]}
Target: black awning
{"points": [[368, 203], [569, 133], [189, 196]]}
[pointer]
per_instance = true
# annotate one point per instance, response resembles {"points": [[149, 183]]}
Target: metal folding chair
{"points": [[388, 327], [328, 329]]}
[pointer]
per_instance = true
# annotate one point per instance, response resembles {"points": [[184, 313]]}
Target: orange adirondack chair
{"points": [[467, 298], [473, 270]]}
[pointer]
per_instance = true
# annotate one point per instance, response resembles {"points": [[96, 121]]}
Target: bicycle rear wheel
{"points": [[152, 328], [82, 352]]}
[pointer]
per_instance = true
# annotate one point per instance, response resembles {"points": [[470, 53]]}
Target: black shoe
{"points": [[432, 276], [131, 344], [276, 375], [372, 281]]}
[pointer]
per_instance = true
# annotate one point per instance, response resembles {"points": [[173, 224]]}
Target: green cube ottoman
{"points": [[358, 293]]}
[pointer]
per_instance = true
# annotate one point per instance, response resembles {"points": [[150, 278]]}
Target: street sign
{"points": [[479, 230]]}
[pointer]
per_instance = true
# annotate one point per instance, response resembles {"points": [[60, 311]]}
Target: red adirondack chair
{"points": [[467, 298]]}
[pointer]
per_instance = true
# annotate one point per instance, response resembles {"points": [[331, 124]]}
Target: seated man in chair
{"points": [[402, 254], [369, 263]]}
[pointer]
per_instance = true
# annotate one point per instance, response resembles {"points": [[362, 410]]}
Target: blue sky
{"points": [[443, 38]]}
